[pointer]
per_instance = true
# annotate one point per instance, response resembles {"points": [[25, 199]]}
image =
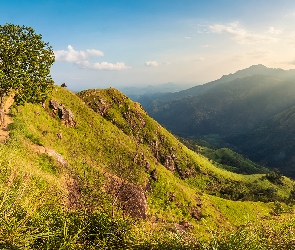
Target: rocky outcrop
{"points": [[196, 213], [130, 198], [50, 152], [182, 227], [66, 116], [169, 163], [154, 175]]}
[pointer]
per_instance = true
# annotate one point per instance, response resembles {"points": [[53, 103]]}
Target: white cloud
{"points": [[80, 59], [187, 37], [290, 15], [72, 55], [291, 39], [152, 64], [206, 46], [102, 65], [200, 59], [273, 31], [239, 34], [156, 64]]}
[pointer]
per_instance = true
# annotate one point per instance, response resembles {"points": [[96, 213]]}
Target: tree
{"points": [[25, 62]]}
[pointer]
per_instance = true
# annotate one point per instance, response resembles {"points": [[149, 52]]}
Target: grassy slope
{"points": [[32, 181], [124, 114]]}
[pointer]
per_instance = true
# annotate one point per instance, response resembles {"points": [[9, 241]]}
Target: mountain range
{"points": [[231, 110]]}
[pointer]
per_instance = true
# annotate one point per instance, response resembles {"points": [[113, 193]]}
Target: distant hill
{"points": [[201, 89], [229, 114], [135, 92], [227, 109], [271, 143]]}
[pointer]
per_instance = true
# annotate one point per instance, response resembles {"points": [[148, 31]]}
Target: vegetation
{"points": [[192, 204], [225, 158], [25, 62], [269, 142], [248, 112]]}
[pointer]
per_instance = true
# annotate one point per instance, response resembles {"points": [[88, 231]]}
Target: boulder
{"points": [[154, 175], [196, 213], [131, 199], [66, 115]]}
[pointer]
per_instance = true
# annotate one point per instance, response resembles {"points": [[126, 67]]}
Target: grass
{"points": [[35, 189]]}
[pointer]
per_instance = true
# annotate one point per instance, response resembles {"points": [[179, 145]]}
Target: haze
{"points": [[133, 43]]}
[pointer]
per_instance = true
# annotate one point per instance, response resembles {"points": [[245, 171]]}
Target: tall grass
{"points": [[275, 233]]}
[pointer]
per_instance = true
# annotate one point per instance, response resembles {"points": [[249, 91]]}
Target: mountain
{"points": [[227, 109], [239, 114], [271, 143], [146, 94], [153, 89], [201, 89], [93, 171]]}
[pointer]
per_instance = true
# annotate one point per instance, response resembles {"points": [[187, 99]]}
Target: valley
{"points": [[249, 111]]}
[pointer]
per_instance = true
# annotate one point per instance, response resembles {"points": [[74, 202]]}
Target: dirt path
{"points": [[4, 132]]}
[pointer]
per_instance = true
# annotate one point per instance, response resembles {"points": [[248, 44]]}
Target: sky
{"points": [[114, 43]]}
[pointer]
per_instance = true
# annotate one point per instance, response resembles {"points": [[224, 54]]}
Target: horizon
{"points": [[114, 43]]}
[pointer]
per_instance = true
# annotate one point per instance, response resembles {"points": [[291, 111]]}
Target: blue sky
{"points": [[136, 42]]}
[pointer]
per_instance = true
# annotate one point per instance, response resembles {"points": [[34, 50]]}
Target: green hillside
{"points": [[94, 171], [271, 143]]}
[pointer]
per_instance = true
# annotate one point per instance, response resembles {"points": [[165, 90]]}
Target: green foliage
{"points": [[225, 158], [273, 234], [275, 177], [50, 206], [134, 122], [271, 142], [25, 62]]}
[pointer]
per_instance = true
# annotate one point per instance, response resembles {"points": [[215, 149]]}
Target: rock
{"points": [[57, 156], [59, 135], [172, 197], [148, 187], [65, 114], [54, 105], [131, 199], [169, 163], [183, 226], [50, 152], [67, 117], [195, 213], [153, 175], [147, 166]]}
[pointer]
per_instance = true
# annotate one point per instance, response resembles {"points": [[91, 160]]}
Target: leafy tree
{"points": [[25, 61], [275, 177]]}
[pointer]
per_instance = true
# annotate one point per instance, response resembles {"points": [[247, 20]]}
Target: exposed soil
{"points": [[4, 132]]}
